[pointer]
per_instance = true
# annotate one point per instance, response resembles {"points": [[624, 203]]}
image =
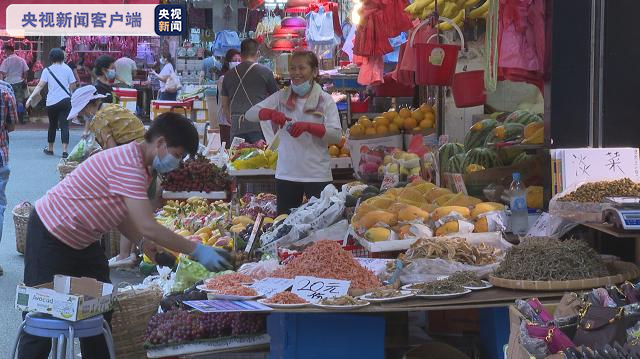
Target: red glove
{"points": [[315, 129], [267, 114]]}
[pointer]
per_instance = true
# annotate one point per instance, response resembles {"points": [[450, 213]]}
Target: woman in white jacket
{"points": [[311, 121]]}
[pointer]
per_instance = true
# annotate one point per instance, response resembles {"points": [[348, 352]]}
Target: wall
{"points": [[217, 7]]}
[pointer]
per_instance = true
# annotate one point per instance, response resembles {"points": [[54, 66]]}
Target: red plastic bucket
{"points": [[436, 63], [468, 89]]}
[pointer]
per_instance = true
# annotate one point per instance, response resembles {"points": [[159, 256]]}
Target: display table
{"points": [[618, 233], [295, 333]]}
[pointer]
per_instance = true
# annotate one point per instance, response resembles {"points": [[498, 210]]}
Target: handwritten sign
{"points": [[269, 287], [541, 227], [593, 164], [315, 289], [376, 265], [254, 233]]}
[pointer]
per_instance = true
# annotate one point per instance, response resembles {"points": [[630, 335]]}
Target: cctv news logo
{"points": [[170, 20]]}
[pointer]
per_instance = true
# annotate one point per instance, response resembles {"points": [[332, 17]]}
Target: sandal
{"points": [[47, 152], [65, 155]]}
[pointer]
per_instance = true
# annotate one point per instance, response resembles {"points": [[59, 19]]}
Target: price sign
{"points": [[376, 265], [269, 287], [541, 227], [315, 289], [254, 233], [458, 183]]}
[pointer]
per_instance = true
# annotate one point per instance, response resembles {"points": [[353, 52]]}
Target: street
{"points": [[32, 174]]}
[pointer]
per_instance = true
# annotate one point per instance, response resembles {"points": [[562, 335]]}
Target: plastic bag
{"points": [[188, 273], [424, 269], [260, 270], [335, 232], [578, 212], [83, 149], [251, 159]]}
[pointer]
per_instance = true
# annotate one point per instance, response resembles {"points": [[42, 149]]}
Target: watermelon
{"points": [[478, 133], [523, 157], [505, 133], [484, 157], [522, 117], [455, 163], [447, 151]]}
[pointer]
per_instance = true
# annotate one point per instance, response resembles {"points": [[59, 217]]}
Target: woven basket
{"points": [[21, 220], [111, 241], [132, 310], [65, 167]]}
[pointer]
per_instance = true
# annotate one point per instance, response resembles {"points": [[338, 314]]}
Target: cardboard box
{"points": [[67, 298], [159, 107], [201, 115], [199, 105]]}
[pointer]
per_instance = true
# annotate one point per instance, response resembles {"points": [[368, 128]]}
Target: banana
{"points": [[418, 6], [471, 3], [478, 12], [450, 9], [195, 200], [458, 19]]}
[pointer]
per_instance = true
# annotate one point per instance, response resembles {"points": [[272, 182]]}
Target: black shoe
{"points": [[47, 152], [65, 155]]}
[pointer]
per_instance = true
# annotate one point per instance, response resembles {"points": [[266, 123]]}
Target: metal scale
{"points": [[623, 212]]}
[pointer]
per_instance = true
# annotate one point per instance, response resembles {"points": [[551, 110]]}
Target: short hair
{"points": [[249, 47], [177, 130], [228, 57], [102, 63], [56, 55], [9, 48], [167, 55]]}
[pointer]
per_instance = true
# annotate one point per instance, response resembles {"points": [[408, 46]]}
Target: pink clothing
{"points": [[371, 70], [90, 200]]}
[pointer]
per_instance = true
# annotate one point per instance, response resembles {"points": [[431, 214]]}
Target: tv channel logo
{"points": [[170, 20]]}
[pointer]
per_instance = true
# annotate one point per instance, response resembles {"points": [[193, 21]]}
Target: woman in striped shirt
{"points": [[108, 191]]}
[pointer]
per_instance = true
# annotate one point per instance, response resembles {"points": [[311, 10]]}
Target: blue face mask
{"points": [[301, 89], [166, 164], [111, 74]]}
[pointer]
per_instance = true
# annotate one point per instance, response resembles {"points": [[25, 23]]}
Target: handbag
{"points": [[601, 325], [630, 292], [542, 313], [173, 84], [555, 339]]}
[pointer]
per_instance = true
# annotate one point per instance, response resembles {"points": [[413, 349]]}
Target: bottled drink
{"points": [[519, 213]]}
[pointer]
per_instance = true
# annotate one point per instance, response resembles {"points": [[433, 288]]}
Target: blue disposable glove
{"points": [[214, 259]]}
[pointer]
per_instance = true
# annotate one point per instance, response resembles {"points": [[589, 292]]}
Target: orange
{"points": [[365, 122], [356, 130], [417, 130], [398, 121], [334, 151], [409, 123], [430, 116], [345, 155], [343, 140], [424, 124], [382, 121], [344, 151], [370, 131], [405, 112], [390, 115], [417, 115], [382, 130], [393, 128], [425, 107]]}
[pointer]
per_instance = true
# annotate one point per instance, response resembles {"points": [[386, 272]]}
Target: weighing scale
{"points": [[623, 212]]}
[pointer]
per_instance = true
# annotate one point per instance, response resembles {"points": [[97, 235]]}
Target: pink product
{"points": [[282, 45], [296, 23]]}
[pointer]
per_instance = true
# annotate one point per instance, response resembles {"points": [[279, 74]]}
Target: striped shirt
{"points": [[90, 200]]}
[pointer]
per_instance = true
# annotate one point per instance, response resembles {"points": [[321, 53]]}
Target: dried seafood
{"points": [[344, 300], [444, 286], [385, 293], [286, 298], [467, 279], [597, 191], [453, 249], [546, 259]]}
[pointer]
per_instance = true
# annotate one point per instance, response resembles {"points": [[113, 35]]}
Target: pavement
{"points": [[32, 174]]}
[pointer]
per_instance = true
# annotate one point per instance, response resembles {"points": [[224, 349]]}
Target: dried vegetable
{"points": [[385, 293], [452, 249], [466, 278], [597, 191], [344, 300], [286, 298], [444, 286], [545, 259], [326, 259]]}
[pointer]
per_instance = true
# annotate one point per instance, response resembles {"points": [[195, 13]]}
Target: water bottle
{"points": [[519, 213]]}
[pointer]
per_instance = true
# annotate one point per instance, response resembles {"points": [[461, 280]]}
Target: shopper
{"points": [[231, 59], [312, 121], [210, 67], [13, 70], [244, 86], [8, 119], [60, 82], [112, 125], [109, 190], [125, 69], [106, 72], [166, 94]]}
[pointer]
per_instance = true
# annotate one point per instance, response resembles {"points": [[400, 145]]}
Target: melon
{"points": [[484, 157], [522, 117], [456, 163], [478, 133], [505, 133], [447, 151]]}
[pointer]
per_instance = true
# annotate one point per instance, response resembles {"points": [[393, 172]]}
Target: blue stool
{"points": [[42, 325]]}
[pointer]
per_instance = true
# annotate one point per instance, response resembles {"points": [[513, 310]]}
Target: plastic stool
{"points": [[46, 326]]}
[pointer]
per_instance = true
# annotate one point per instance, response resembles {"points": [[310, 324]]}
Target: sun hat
{"points": [[81, 98]]}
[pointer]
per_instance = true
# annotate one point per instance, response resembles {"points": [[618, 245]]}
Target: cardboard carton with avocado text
{"points": [[68, 298]]}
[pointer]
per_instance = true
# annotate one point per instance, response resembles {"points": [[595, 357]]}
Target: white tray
{"points": [[341, 162], [384, 246], [256, 172], [185, 195], [209, 346]]}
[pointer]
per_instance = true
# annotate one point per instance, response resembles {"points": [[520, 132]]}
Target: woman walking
{"points": [[60, 82]]}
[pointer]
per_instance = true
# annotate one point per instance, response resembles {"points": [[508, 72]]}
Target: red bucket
{"points": [[468, 89], [436, 63]]}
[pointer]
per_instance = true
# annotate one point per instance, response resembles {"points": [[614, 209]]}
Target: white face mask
{"points": [[233, 64]]}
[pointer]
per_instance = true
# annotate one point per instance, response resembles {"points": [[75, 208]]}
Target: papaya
{"points": [[411, 213], [374, 217], [432, 195]]}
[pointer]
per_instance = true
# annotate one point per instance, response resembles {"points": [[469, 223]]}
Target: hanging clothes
{"points": [[371, 70], [380, 20], [347, 48], [320, 28], [225, 40], [250, 17]]}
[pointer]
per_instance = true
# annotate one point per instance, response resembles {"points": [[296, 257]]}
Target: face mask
{"points": [[301, 89], [166, 164], [233, 64], [111, 74]]}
